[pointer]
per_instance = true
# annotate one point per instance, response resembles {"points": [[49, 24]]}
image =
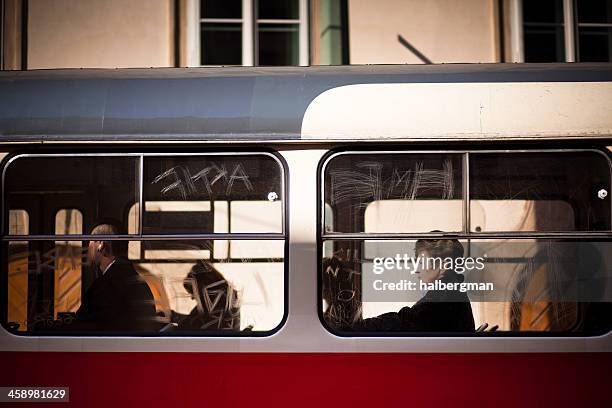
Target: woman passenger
{"points": [[217, 306]]}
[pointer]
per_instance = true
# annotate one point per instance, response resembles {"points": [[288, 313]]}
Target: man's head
{"points": [[100, 253], [438, 249]]}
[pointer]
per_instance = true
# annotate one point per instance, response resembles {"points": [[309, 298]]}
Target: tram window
{"points": [[394, 193], [189, 283], [101, 186], [561, 191], [206, 194], [545, 268]]}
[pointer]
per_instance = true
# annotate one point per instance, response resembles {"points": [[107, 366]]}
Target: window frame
{"points": [[571, 27], [250, 32], [141, 237], [466, 234]]}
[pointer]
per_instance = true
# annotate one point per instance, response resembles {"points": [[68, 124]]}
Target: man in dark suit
{"points": [[119, 300], [436, 312]]}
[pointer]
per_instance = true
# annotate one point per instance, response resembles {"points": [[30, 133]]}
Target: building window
{"points": [[594, 30], [221, 32], [565, 30], [248, 32], [543, 31]]}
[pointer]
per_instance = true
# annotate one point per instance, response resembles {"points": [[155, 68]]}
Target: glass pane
{"points": [[278, 44], [194, 287], [221, 8], [594, 11], [544, 39], [278, 9], [394, 192], [221, 44], [69, 222], [68, 259], [595, 44], [444, 286], [544, 44], [19, 222], [561, 191], [212, 193], [98, 187], [543, 11]]}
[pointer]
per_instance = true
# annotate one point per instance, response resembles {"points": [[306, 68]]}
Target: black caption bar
{"points": [[34, 394]]}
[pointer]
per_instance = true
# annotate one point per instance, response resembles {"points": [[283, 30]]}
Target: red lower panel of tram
{"points": [[316, 379]]}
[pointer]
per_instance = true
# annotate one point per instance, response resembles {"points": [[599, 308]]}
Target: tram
{"points": [[264, 208]]}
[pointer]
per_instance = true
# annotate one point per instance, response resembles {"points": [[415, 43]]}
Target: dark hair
{"points": [[202, 274], [218, 304], [441, 248], [111, 227]]}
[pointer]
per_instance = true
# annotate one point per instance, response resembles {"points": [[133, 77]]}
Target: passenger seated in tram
{"points": [[119, 299], [438, 310], [341, 293], [217, 304]]}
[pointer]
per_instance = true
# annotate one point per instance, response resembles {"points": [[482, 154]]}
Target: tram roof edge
{"points": [[228, 103]]}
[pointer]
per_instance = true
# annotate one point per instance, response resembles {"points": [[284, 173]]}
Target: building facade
{"points": [[42, 34]]}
